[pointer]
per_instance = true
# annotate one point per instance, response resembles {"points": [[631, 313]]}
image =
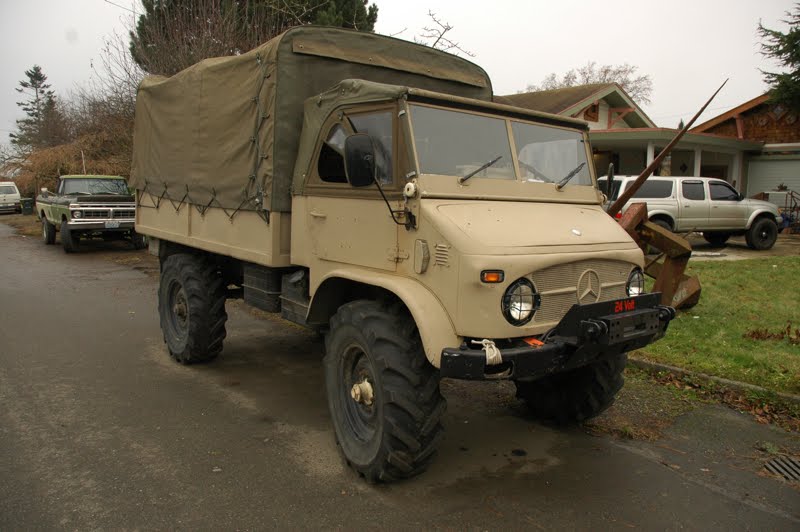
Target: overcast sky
{"points": [[687, 47]]}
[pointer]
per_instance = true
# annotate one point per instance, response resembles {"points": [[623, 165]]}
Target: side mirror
{"points": [[359, 160], [610, 183], [45, 192]]}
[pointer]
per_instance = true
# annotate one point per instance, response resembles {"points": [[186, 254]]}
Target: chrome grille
{"points": [[124, 214], [558, 286]]}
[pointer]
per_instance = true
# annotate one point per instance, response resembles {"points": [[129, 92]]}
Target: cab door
{"points": [[727, 208], [351, 225], [693, 206]]}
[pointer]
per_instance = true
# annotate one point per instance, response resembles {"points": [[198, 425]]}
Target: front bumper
{"points": [[586, 333], [103, 225]]}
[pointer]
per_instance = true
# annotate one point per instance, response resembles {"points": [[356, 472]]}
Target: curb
{"points": [[736, 385]]}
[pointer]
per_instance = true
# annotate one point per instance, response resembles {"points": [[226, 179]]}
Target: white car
{"points": [[710, 206], [9, 197]]}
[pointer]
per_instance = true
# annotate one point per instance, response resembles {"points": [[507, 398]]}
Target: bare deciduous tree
{"points": [[639, 87], [433, 35]]}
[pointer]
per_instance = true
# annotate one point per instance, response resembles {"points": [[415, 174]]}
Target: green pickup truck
{"points": [[88, 206]]}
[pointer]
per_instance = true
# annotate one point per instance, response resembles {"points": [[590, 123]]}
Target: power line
{"points": [[119, 6]]}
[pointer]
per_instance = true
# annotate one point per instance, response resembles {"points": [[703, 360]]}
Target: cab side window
{"points": [[331, 157], [693, 190], [722, 192], [379, 126]]}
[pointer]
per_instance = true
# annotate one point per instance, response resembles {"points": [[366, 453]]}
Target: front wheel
{"points": [[139, 241], [383, 394], [69, 240], [577, 395], [762, 234], [191, 305], [48, 232]]}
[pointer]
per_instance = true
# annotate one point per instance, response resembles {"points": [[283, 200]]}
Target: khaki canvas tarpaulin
{"points": [[225, 132]]}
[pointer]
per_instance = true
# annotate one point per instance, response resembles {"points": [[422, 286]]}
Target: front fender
{"points": [[435, 326], [759, 213]]}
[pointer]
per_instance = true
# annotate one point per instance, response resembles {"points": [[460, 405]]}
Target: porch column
{"points": [[698, 159], [651, 153], [736, 172]]}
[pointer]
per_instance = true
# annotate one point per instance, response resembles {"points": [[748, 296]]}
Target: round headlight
{"points": [[635, 284], [77, 214], [520, 301]]}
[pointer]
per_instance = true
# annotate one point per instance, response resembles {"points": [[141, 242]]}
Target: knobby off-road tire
{"points": [[716, 240], [395, 436], [69, 241], [577, 395], [191, 305], [48, 232], [762, 234]]}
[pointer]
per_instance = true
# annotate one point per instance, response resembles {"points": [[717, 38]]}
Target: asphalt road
{"points": [[99, 429]]}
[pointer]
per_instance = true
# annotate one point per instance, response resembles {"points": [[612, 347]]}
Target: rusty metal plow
{"points": [[677, 289]]}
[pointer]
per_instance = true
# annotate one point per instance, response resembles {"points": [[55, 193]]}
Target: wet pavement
{"points": [[100, 429]]}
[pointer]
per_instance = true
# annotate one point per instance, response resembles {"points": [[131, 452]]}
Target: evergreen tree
{"points": [[785, 49], [39, 104], [353, 14]]}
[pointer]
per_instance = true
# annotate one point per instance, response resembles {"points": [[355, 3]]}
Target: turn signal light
{"points": [[492, 276]]}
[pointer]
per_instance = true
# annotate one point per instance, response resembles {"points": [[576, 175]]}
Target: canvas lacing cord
{"points": [[493, 355], [261, 117]]}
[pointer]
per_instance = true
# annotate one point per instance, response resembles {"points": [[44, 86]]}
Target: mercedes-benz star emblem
{"points": [[589, 287]]}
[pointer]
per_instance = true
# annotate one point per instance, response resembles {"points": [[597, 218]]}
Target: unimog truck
{"points": [[370, 189]]}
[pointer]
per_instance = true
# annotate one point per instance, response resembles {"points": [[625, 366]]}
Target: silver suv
{"points": [[711, 206]]}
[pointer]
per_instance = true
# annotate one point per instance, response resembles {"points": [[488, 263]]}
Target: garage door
{"points": [[763, 176]]}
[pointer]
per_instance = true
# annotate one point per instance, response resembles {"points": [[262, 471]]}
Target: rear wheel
{"points": [[383, 394], [191, 305], [69, 240], [577, 395], [762, 234], [48, 232], [716, 240]]}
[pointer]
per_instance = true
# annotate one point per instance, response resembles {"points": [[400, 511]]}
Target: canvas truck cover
{"points": [[225, 132]]}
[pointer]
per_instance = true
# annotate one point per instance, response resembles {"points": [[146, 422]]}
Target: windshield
{"points": [[469, 145], [95, 186], [548, 154], [7, 189], [457, 144]]}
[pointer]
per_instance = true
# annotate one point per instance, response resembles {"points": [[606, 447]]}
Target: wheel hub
{"points": [[362, 393], [179, 307]]}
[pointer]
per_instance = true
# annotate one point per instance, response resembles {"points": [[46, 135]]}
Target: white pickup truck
{"points": [[710, 206]]}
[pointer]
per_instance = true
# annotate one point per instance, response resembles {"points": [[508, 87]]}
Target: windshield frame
{"points": [[508, 120]]}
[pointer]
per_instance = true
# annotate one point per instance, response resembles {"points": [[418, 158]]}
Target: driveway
{"points": [[99, 429]]}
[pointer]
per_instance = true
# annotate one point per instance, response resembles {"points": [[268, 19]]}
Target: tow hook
{"points": [[361, 392]]}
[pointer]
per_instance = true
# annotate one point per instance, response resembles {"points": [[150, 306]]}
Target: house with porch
{"points": [[621, 133]]}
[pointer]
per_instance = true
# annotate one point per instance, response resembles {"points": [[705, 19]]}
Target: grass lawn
{"points": [[739, 298]]}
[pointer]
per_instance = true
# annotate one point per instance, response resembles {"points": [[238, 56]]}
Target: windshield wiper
{"points": [[484, 167], [569, 176]]}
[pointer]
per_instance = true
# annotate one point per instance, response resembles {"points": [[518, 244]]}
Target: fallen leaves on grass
{"points": [[765, 410], [793, 337]]}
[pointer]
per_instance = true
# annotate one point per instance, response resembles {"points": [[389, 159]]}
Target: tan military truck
{"points": [[367, 187]]}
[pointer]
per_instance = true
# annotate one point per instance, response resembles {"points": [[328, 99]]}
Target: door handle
{"points": [[315, 214]]}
